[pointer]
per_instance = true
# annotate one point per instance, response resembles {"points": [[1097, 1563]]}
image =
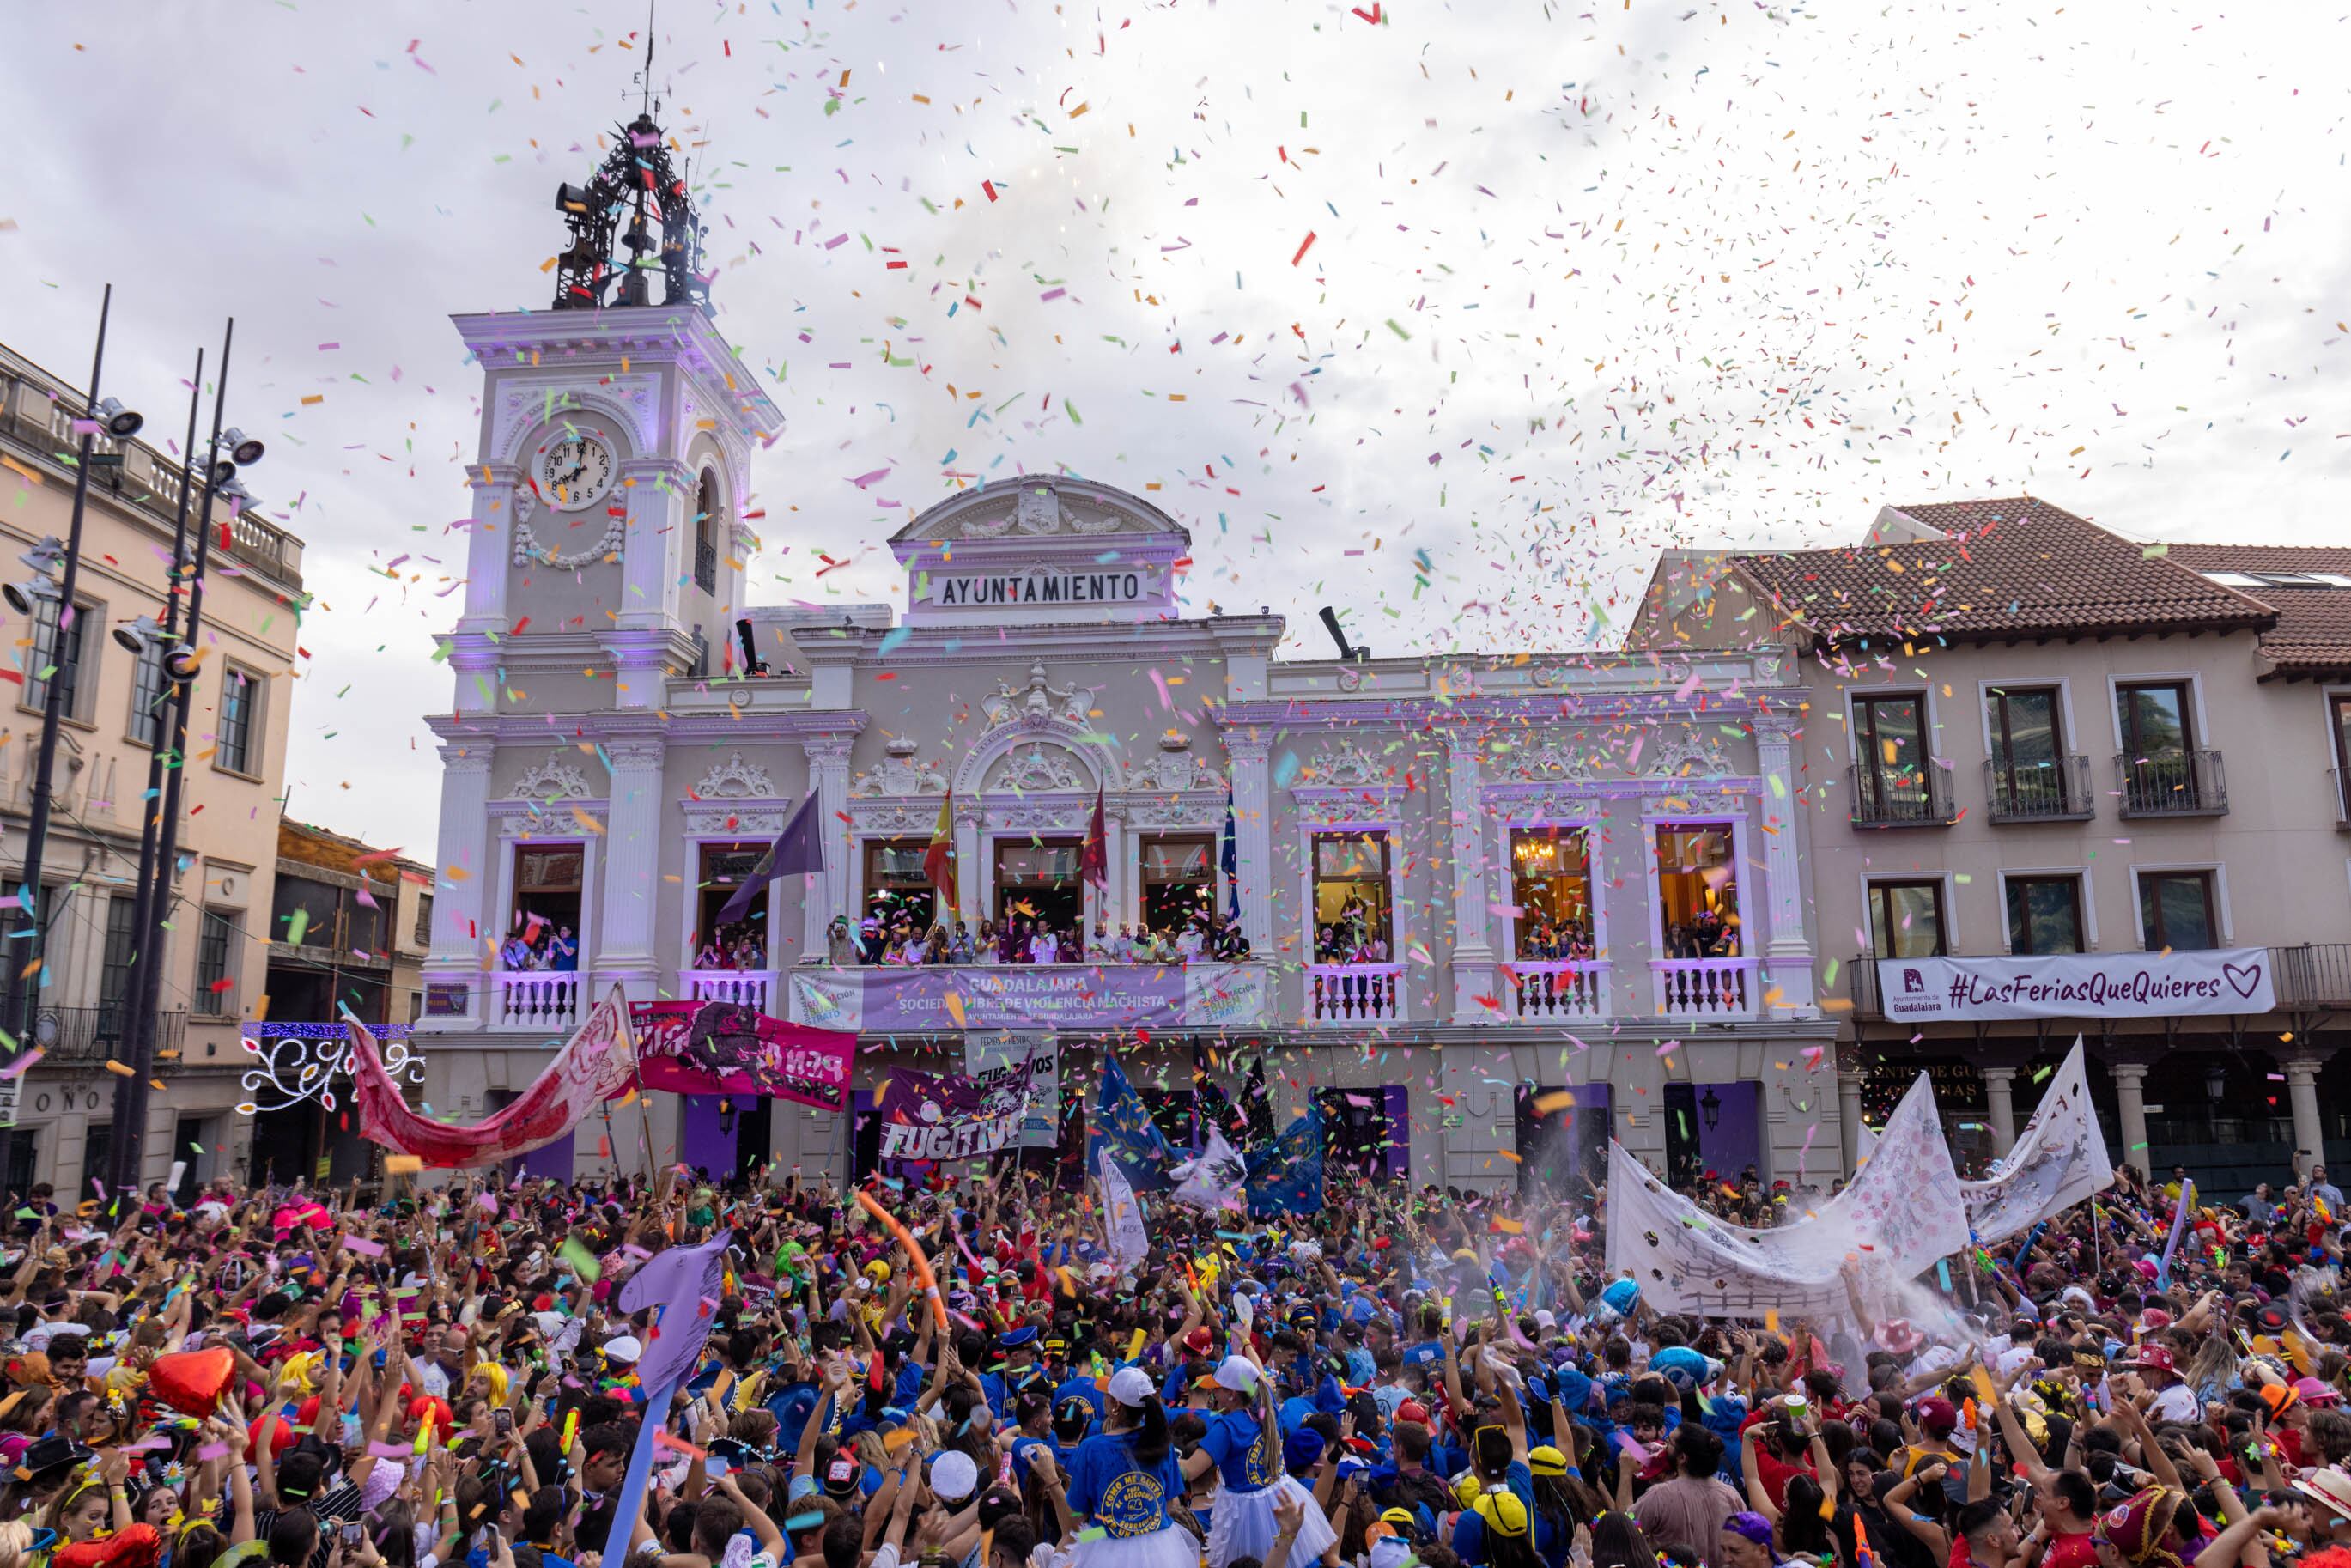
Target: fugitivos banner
{"points": [[2226, 980], [718, 1048], [1034, 997], [930, 1116]]}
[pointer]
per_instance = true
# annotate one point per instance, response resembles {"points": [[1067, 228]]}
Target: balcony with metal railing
{"points": [[1898, 796], [86, 1036], [706, 566], [2173, 784], [2052, 791]]}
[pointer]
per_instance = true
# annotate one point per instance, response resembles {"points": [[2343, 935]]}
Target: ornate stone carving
{"points": [[1346, 763], [466, 758], [528, 549], [636, 752], [715, 817], [1176, 768], [628, 401], [1687, 751], [520, 822], [1039, 702], [1039, 511], [1552, 762], [1054, 818], [735, 779], [1174, 813], [552, 780], [822, 749], [901, 773], [1035, 770], [893, 818]]}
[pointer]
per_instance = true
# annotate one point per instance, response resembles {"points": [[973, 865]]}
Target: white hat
{"points": [[1131, 1386], [1391, 1552], [623, 1348], [1238, 1373], [953, 1476], [1544, 1320]]}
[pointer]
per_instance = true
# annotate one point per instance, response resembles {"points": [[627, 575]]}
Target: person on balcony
{"points": [[514, 953], [563, 951], [840, 948], [708, 956], [934, 945], [986, 947], [1012, 941], [1046, 948], [1229, 944], [960, 947]]}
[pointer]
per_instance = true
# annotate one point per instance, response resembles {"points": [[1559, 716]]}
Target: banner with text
{"points": [[720, 1048], [1034, 1059], [2078, 985], [2059, 1161], [1033, 997], [950, 1116]]}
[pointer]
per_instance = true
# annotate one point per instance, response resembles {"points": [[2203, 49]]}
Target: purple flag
{"points": [[797, 848], [683, 1283]]}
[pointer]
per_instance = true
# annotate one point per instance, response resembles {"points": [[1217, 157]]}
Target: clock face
{"points": [[574, 472]]}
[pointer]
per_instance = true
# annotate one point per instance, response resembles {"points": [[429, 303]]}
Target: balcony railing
{"points": [[1354, 993], [539, 999], [1571, 989], [750, 988], [2173, 784], [95, 1034], [1901, 796], [705, 565], [2057, 791], [1705, 987], [1860, 981]]}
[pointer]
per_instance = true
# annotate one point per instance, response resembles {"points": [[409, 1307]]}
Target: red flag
{"points": [[1093, 860], [938, 860]]}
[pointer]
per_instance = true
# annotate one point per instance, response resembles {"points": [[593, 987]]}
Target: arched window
{"points": [[705, 532]]}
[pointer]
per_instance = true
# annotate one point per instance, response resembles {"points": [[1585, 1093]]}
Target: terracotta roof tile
{"points": [[2014, 566], [2314, 630]]}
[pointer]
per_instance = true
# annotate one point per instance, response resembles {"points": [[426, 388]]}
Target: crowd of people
{"points": [[732, 947], [538, 944], [894, 937], [1445, 1378]]}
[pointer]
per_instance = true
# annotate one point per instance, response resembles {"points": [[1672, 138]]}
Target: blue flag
{"points": [[1229, 860], [1287, 1177], [1124, 1131]]}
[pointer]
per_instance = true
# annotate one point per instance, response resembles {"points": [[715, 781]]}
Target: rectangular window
{"points": [[233, 735], [549, 879], [1698, 889], [114, 967], [55, 657], [1036, 881], [739, 944], [217, 962], [2028, 752], [1179, 882], [20, 949], [2340, 706], [2177, 910], [1906, 919], [149, 687], [424, 920], [2155, 719], [1551, 886], [1889, 751], [897, 885], [1352, 921], [2044, 915]]}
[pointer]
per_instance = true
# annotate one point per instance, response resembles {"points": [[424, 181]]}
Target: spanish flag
{"points": [[939, 860]]}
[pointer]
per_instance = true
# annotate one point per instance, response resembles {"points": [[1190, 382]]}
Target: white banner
{"points": [[1213, 1181], [2059, 1161], [1040, 1058], [1123, 1219], [1901, 1212], [2221, 980]]}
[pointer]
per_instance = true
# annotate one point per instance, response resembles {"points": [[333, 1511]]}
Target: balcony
{"points": [[1556, 992], [1354, 993], [92, 1035], [926, 998], [1705, 987], [2173, 784], [2315, 975], [1901, 798], [538, 1000], [1860, 981], [752, 989], [2056, 791], [706, 566]]}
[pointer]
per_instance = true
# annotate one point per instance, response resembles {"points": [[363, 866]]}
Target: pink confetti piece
{"points": [[364, 1247], [16, 1068], [212, 1451]]}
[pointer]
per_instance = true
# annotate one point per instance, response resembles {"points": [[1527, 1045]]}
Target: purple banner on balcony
{"points": [[946, 998], [718, 1048], [2218, 981]]}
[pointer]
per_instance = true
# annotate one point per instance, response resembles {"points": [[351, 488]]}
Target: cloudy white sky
{"points": [[1582, 282]]}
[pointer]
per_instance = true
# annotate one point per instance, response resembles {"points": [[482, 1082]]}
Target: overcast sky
{"points": [[1581, 283]]}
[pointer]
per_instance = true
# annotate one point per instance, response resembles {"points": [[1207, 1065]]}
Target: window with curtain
{"points": [[1906, 919], [2044, 915], [2177, 910], [217, 962], [232, 733]]}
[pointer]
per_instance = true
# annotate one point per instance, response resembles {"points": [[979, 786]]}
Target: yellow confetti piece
{"points": [[1557, 1100], [119, 1070], [402, 1164]]}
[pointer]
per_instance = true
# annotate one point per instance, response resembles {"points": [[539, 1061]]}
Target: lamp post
{"points": [[137, 638], [220, 479], [120, 421]]}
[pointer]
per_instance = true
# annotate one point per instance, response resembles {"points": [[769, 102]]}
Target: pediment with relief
{"points": [[900, 772], [735, 779], [1037, 768], [1039, 506]]}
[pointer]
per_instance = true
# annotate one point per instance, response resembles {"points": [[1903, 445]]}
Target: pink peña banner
{"points": [[720, 1048]]}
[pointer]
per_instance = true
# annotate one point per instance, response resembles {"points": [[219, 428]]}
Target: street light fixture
{"points": [[45, 558], [120, 421], [1711, 1104], [244, 450]]}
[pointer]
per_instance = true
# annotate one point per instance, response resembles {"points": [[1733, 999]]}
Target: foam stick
{"points": [[923, 1275]]}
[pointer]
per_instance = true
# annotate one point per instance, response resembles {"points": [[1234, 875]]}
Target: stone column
{"points": [[1472, 954], [828, 895], [657, 492], [1788, 951], [624, 950], [489, 545], [2309, 1128], [1253, 839], [459, 937], [2130, 1097], [2000, 1107], [974, 877], [1849, 1080]]}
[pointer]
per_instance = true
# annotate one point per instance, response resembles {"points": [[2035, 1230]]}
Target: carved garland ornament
{"points": [[527, 548], [1348, 763], [552, 780], [901, 773], [735, 779]]}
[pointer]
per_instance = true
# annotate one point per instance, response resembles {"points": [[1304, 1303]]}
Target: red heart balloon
{"points": [[137, 1547], [193, 1381]]}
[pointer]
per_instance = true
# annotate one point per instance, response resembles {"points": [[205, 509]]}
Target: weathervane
{"points": [[639, 186]]}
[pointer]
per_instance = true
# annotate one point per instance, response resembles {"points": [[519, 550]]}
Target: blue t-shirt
{"points": [[1109, 1487], [1074, 1386], [1244, 1459], [1469, 1531]]}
